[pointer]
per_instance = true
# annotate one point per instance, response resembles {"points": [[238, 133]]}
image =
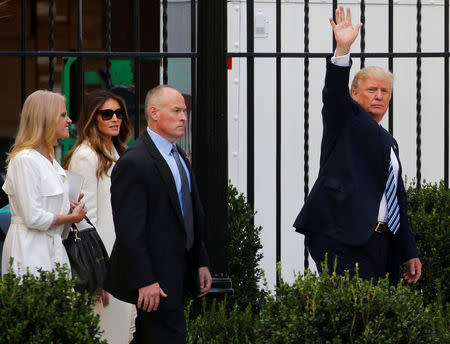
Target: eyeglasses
{"points": [[107, 114]]}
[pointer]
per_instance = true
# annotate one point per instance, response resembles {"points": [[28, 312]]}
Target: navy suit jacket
{"points": [[355, 155], [150, 233]]}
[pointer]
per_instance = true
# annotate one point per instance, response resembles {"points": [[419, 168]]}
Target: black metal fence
{"points": [[200, 16], [207, 160], [306, 55]]}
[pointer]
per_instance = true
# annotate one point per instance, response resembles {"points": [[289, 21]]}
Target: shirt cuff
{"points": [[53, 222], [341, 61]]}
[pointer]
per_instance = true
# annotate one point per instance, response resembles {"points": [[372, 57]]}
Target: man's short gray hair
{"points": [[152, 94], [372, 72]]}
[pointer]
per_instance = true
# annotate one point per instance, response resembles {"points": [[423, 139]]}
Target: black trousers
{"points": [[160, 327], [372, 257]]}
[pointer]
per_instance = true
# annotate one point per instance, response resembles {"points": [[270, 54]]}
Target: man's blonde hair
{"points": [[371, 72], [38, 119]]}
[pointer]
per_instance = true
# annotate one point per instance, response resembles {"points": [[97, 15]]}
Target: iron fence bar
{"points": [[363, 32], [250, 104], [193, 65], [137, 67], [51, 44], [80, 85], [419, 96], [323, 55], [446, 93], [108, 44], [145, 54], [306, 119], [334, 16], [95, 54], [165, 46], [391, 61], [23, 43], [278, 137]]}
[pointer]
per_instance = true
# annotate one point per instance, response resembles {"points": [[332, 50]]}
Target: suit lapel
{"points": [[166, 174]]}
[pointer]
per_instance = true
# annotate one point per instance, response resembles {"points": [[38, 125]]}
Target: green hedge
{"points": [[244, 254], [218, 324], [327, 308], [429, 212], [45, 309]]}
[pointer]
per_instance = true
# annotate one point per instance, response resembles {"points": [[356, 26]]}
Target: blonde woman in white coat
{"points": [[38, 189], [103, 129]]}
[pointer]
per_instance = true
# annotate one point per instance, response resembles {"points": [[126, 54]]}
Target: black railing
{"points": [[251, 55], [197, 78]]}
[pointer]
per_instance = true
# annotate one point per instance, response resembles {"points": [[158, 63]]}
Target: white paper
{"points": [[75, 184]]}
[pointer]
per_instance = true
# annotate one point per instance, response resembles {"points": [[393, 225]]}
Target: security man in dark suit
{"points": [[356, 211], [159, 251]]}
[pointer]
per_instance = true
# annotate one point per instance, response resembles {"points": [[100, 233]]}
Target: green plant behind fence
{"points": [[429, 212], [243, 251]]}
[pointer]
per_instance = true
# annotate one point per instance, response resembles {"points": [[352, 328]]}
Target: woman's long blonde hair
{"points": [[38, 119], [88, 130]]}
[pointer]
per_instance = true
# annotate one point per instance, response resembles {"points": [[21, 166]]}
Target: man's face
{"points": [[373, 95], [168, 119]]}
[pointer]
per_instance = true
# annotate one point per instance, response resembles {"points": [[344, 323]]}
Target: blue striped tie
{"points": [[393, 210]]}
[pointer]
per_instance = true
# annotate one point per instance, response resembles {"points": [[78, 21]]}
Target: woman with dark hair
{"points": [[103, 130], [38, 189]]}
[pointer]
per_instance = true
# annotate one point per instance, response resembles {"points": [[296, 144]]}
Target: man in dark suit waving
{"points": [[159, 251], [356, 211]]}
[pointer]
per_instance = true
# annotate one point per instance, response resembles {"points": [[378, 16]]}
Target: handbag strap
{"points": [[74, 225]]}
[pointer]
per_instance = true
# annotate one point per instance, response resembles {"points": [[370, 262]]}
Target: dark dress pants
{"points": [[161, 326], [372, 257]]}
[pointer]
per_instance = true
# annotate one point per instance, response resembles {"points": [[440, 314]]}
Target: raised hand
{"points": [[344, 32]]}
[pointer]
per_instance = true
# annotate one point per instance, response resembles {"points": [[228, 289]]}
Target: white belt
{"points": [[17, 220], [56, 238]]}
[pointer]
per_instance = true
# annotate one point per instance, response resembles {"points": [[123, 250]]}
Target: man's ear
{"points": [[354, 94], [153, 111]]}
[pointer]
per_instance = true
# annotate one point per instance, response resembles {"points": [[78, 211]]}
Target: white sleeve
{"points": [[26, 182], [341, 61], [84, 162]]}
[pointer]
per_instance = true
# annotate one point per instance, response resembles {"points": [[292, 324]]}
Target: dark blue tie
{"points": [[393, 210], [187, 200]]}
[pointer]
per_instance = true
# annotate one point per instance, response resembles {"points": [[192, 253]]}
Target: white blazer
{"points": [[37, 190], [97, 196], [114, 319]]}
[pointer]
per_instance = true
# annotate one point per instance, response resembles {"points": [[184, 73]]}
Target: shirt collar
{"points": [[163, 145]]}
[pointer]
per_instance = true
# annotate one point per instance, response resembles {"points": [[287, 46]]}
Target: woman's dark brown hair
{"points": [[88, 130]]}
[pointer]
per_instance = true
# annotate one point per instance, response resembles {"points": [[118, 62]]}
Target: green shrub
{"points": [[218, 325], [319, 309], [45, 309], [429, 211], [243, 251]]}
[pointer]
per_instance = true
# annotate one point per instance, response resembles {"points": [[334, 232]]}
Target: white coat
{"points": [[115, 318], [37, 190]]}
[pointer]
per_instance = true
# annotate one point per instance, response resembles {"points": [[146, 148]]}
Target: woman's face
{"points": [[62, 124], [108, 122]]}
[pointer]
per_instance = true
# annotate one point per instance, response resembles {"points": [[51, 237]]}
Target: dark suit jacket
{"points": [[355, 155], [150, 234]]}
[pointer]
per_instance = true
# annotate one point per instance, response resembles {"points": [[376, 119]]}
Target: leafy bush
{"points": [[243, 251], [45, 309], [429, 211], [218, 325], [326, 308]]}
